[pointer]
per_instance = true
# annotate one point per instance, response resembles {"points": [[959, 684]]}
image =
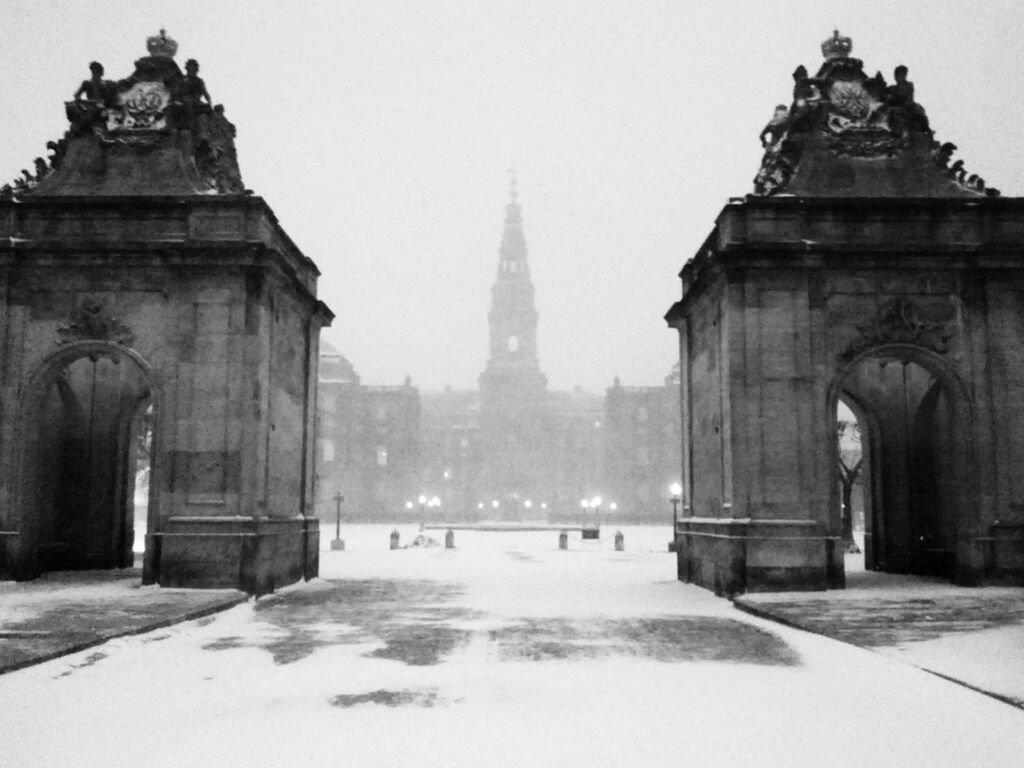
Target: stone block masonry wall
{"points": [[288, 349], [704, 408], [222, 332], [792, 304]]}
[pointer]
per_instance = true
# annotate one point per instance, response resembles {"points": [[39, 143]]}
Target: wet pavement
{"points": [[507, 650], [419, 623], [424, 622], [66, 612], [972, 636]]}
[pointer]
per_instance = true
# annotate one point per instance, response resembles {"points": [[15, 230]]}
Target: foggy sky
{"points": [[382, 133]]}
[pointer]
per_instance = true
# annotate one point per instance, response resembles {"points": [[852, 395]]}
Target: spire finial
{"points": [[513, 191]]}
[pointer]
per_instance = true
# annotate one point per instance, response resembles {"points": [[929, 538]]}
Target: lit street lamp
{"points": [[592, 532]]}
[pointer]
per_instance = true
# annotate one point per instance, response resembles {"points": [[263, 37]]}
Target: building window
{"points": [[327, 450], [382, 456], [513, 343]]}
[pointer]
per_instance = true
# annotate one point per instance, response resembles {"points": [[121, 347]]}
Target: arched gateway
{"points": [[84, 422], [155, 322], [866, 268]]}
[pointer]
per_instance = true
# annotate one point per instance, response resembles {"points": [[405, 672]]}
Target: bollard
{"points": [[394, 539], [449, 539], [563, 540], [620, 541]]}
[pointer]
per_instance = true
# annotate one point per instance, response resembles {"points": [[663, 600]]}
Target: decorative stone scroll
{"points": [[91, 322], [899, 323]]}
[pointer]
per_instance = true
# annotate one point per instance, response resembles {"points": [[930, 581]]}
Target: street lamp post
{"points": [[594, 531], [676, 491], [338, 543]]}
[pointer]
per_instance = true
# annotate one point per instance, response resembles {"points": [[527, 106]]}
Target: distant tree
{"points": [[850, 460]]}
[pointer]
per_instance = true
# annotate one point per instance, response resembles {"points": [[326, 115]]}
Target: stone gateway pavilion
{"points": [[155, 322], [868, 268]]}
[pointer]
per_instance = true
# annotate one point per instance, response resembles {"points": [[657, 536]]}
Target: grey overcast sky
{"points": [[381, 134]]}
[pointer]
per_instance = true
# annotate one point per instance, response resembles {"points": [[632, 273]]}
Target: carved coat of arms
{"points": [[141, 107], [92, 322]]}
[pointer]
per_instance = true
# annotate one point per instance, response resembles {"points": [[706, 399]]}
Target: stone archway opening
{"points": [[88, 443], [910, 467], [852, 437]]}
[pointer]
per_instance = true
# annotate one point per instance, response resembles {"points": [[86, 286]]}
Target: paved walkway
{"points": [[971, 636], [65, 612], [504, 651]]}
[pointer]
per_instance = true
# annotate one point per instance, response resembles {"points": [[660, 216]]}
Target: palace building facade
{"points": [[511, 449]]}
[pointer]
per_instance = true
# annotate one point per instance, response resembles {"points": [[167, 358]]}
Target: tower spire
{"points": [[513, 241], [513, 315]]}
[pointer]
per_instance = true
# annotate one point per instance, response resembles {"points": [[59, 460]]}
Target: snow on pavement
{"points": [[504, 651]]}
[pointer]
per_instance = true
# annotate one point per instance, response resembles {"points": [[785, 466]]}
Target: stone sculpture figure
{"points": [[775, 130], [95, 89], [216, 157], [807, 97], [905, 114], [92, 97], [191, 93]]}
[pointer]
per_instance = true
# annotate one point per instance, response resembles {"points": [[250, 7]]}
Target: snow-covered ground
{"points": [[504, 651]]}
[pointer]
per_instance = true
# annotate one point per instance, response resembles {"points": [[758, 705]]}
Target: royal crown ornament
{"points": [[161, 45], [837, 47]]}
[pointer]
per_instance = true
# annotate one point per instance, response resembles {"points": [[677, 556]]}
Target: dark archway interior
{"points": [[91, 438], [909, 478]]}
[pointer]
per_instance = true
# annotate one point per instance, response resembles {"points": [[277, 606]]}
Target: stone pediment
{"points": [[155, 132], [846, 134]]}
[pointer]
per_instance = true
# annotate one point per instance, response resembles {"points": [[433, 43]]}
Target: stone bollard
{"points": [[563, 540], [449, 539], [394, 539], [620, 541]]}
